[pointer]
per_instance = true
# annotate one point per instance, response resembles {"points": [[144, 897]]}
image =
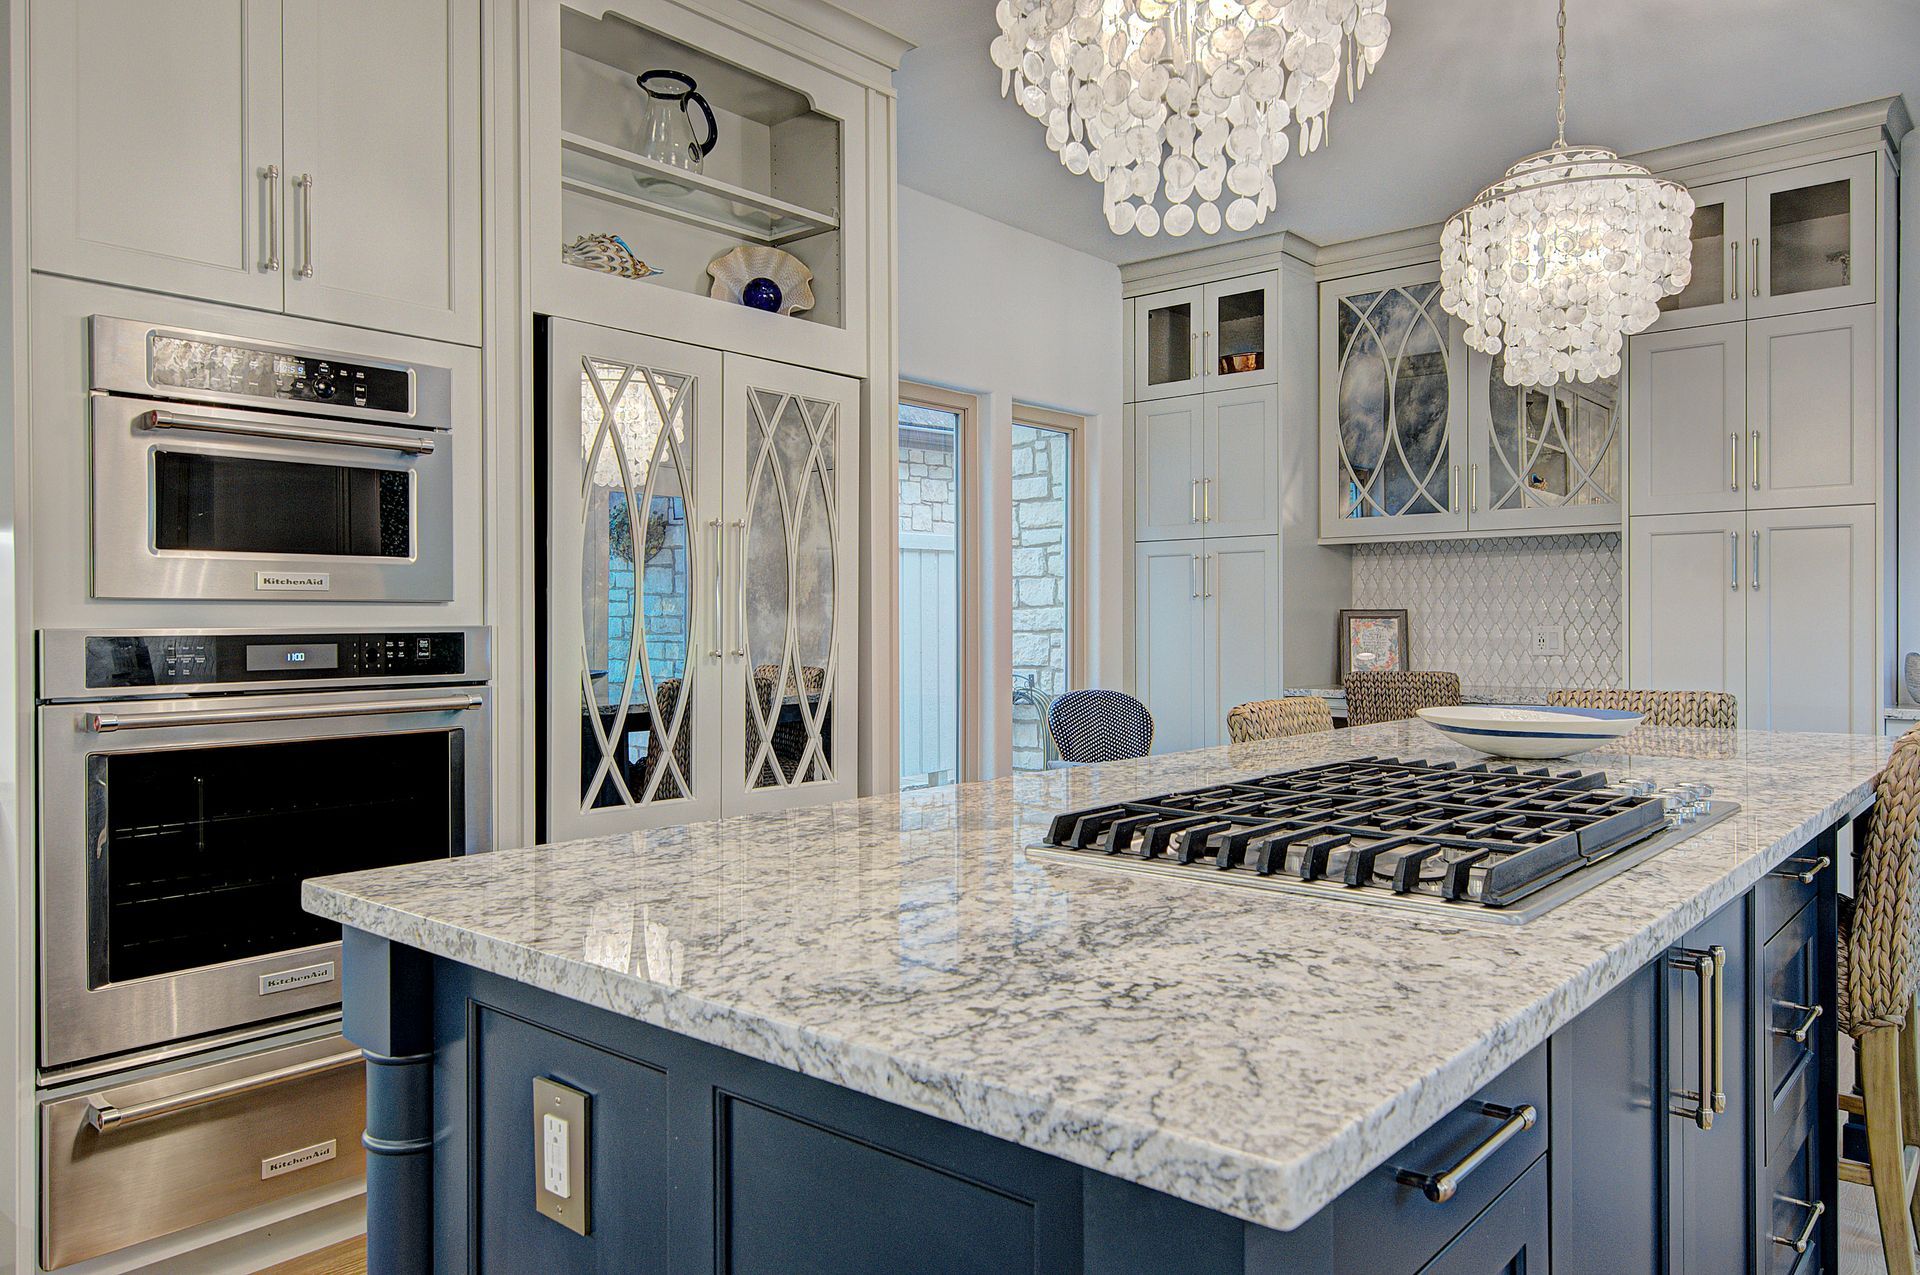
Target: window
{"points": [[1045, 584], [931, 428]]}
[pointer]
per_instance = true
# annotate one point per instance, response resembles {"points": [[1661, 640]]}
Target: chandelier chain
{"points": [[1560, 54]]}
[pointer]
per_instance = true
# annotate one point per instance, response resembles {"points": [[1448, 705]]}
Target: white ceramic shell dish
{"points": [[733, 271], [1527, 731]]}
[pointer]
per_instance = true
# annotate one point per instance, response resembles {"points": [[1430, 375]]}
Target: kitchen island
{"points": [[879, 1035]]}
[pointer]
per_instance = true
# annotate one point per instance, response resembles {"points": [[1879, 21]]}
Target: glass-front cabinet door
{"points": [[633, 531], [1810, 237], [790, 586], [1542, 458], [1392, 386], [1717, 293], [1167, 343], [1239, 338]]}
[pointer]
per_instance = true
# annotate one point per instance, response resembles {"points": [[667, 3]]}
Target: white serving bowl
{"points": [[1531, 732]]}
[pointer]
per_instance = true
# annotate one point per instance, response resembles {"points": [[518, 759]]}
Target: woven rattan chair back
{"points": [[1389, 696], [1719, 710], [1882, 953], [1278, 718]]}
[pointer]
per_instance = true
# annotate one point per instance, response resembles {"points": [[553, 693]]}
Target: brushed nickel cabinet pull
{"points": [[1453, 492], [1806, 875], [1193, 564], [105, 1116], [306, 225], [1753, 271], [1733, 275], [1473, 489], [716, 651], [1810, 1014], [271, 176], [1733, 547], [1193, 501], [1206, 577], [1816, 1209], [740, 588], [1441, 1187], [1710, 1099], [1733, 461], [1753, 568], [1753, 466], [1206, 500]]}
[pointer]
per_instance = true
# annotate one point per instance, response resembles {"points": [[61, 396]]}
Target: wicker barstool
{"points": [[1278, 718], [1389, 696], [1879, 970], [1719, 710]]}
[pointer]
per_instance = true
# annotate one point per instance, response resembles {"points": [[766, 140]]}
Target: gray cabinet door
{"points": [[155, 139], [1810, 620], [1687, 608], [1812, 405], [1240, 467], [1169, 463], [1167, 344], [1243, 626], [1171, 672], [1710, 1170], [1810, 237], [1687, 414], [1718, 291], [382, 166]]}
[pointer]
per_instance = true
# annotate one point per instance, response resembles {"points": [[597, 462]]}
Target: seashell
{"points": [[734, 271], [609, 254]]}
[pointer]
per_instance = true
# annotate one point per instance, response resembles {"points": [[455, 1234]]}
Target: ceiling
{"points": [[1465, 88]]}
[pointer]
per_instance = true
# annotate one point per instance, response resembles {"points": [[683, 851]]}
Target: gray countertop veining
{"points": [[1248, 1052]]}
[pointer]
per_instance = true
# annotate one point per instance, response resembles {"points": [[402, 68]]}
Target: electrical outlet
{"points": [[1549, 639], [560, 1152]]}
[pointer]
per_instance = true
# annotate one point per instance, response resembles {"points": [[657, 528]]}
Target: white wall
{"points": [[1907, 496], [1003, 314]]}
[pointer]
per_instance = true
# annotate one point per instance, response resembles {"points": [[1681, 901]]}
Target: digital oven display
{"points": [[315, 655]]}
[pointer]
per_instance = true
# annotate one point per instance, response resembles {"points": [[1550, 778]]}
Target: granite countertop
{"points": [[1248, 1052]]}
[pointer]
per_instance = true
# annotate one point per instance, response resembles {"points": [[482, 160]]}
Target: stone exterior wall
{"points": [[927, 490], [1042, 467]]}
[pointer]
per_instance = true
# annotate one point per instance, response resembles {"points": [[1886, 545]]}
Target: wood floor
{"points": [[349, 1257]]}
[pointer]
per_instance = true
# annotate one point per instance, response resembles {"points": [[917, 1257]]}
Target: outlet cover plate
{"points": [[551, 1098], [1549, 639]]}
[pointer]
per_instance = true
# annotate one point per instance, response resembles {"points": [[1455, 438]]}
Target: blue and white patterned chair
{"points": [[1095, 725]]}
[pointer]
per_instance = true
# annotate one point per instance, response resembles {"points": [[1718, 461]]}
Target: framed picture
{"points": [[1371, 640]]}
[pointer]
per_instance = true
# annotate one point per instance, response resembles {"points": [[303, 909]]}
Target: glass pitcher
{"points": [[670, 137]]}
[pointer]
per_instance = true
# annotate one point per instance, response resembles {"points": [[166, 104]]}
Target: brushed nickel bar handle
{"points": [[1453, 492], [1799, 1034], [740, 589], [271, 176], [154, 420], [1719, 955], [1206, 576], [1753, 569], [1733, 461], [1193, 560], [717, 651], [1473, 489], [1753, 467], [1193, 500], [1733, 275], [107, 723], [1706, 967], [1206, 500], [1806, 877], [1753, 271], [105, 1116], [306, 225], [1733, 553], [1441, 1187], [1816, 1209]]}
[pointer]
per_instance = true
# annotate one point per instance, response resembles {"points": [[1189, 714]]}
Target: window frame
{"points": [[1078, 585]]}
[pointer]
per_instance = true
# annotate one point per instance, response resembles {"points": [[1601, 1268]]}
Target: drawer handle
{"points": [[1441, 1187], [1711, 1098], [107, 723], [290, 433], [105, 1117], [1806, 875], [1816, 1209], [1799, 1034]]}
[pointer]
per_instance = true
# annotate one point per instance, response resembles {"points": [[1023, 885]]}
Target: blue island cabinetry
{"points": [[1683, 1123]]}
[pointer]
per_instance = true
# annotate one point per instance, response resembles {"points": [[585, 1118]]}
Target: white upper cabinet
{"points": [[1718, 290], [1392, 408], [154, 136], [1169, 460], [1540, 459], [1811, 394], [1218, 336], [317, 158], [382, 159], [1240, 474], [1688, 392]]}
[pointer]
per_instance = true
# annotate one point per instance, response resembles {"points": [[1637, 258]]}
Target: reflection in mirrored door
{"points": [[1549, 447], [1394, 376]]}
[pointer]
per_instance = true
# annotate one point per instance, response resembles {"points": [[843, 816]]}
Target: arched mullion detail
{"points": [[1363, 321], [812, 716], [608, 435], [760, 467], [1440, 453], [663, 441]]}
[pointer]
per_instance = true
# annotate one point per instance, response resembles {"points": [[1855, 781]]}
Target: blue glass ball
{"points": [[761, 294]]}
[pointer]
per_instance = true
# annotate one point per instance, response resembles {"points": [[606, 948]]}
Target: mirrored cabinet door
{"points": [[633, 499], [1810, 237], [1717, 292], [1167, 343], [1392, 373], [1542, 458], [791, 592], [1240, 337]]}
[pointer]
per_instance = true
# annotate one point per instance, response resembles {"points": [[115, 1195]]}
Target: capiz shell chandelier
{"points": [[1561, 260], [1177, 105]]}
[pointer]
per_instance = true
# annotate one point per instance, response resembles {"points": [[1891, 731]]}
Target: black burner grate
{"points": [[1484, 833]]}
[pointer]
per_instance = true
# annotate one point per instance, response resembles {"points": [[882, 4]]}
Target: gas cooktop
{"points": [[1500, 842]]}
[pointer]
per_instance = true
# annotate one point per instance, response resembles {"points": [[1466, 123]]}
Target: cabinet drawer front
{"points": [[1405, 1229], [1510, 1236], [1781, 893], [1791, 981], [197, 1145], [1792, 1204]]}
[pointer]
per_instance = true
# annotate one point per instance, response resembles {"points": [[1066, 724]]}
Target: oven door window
{"points": [[198, 853], [213, 503]]}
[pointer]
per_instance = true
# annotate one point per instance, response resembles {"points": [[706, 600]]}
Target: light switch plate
{"points": [[1549, 639], [560, 1154]]}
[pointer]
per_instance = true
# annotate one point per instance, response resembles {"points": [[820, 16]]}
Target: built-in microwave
{"points": [[231, 468]]}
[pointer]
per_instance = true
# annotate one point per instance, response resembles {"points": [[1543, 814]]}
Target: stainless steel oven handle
{"points": [[286, 433], [105, 1116], [106, 723]]}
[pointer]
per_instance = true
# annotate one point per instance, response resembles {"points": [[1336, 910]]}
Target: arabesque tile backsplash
{"points": [[1473, 606]]}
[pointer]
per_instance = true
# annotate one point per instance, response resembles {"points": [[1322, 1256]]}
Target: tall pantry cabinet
{"points": [[1220, 417], [1759, 544]]}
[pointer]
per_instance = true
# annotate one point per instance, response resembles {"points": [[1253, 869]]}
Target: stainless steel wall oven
{"points": [[226, 467], [191, 780]]}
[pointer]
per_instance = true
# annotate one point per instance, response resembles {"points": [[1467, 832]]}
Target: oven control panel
{"points": [[202, 659], [226, 366]]}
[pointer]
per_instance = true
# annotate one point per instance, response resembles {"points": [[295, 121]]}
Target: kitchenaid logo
{"points": [[287, 980], [320, 1153], [282, 582]]}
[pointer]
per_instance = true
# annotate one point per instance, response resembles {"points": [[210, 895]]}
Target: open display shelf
{"points": [[619, 176]]}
